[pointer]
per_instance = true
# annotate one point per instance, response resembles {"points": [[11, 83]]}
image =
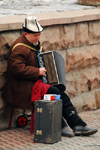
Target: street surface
{"points": [[31, 7]]}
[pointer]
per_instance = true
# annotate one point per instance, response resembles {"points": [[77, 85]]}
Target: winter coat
{"points": [[22, 74]]}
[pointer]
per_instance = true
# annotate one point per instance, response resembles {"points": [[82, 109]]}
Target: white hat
{"points": [[31, 25]]}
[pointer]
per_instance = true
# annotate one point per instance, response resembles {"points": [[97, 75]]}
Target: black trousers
{"points": [[66, 103], [69, 112]]}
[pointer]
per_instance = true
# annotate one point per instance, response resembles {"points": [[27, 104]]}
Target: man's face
{"points": [[33, 37]]}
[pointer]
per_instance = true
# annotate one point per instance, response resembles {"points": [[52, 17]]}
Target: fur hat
{"points": [[31, 25]]}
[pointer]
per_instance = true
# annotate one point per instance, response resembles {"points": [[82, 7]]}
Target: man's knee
{"points": [[53, 90]]}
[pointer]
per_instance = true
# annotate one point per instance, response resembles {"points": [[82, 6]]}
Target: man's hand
{"points": [[42, 71]]}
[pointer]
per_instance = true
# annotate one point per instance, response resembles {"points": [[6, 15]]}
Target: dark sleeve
{"points": [[19, 67]]}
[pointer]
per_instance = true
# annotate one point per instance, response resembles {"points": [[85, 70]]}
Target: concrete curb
{"points": [[53, 18]]}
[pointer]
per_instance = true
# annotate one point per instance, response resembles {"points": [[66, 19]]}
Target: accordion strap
{"points": [[26, 46]]}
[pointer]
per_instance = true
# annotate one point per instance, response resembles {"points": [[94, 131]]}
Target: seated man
{"points": [[24, 74]]}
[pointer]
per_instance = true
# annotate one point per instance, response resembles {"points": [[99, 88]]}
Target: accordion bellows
{"points": [[55, 66]]}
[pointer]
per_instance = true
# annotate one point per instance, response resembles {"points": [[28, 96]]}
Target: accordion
{"points": [[55, 66]]}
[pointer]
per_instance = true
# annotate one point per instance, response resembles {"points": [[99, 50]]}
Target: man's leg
{"points": [[73, 119], [65, 131]]}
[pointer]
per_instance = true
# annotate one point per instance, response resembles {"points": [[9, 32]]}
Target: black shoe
{"points": [[66, 132], [86, 131]]}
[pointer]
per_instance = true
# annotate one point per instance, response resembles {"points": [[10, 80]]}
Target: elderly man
{"points": [[23, 74]]}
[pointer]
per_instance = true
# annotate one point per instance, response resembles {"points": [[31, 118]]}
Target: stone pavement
{"points": [[30, 7], [20, 138]]}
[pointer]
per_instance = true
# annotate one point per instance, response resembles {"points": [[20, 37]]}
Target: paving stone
{"points": [[30, 7], [20, 139]]}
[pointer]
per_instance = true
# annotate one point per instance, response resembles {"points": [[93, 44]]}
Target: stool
{"points": [[32, 120]]}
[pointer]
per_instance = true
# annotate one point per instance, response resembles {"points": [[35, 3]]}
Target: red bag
{"points": [[39, 89]]}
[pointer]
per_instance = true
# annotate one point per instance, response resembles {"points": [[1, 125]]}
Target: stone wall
{"points": [[78, 40], [79, 43], [89, 2]]}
